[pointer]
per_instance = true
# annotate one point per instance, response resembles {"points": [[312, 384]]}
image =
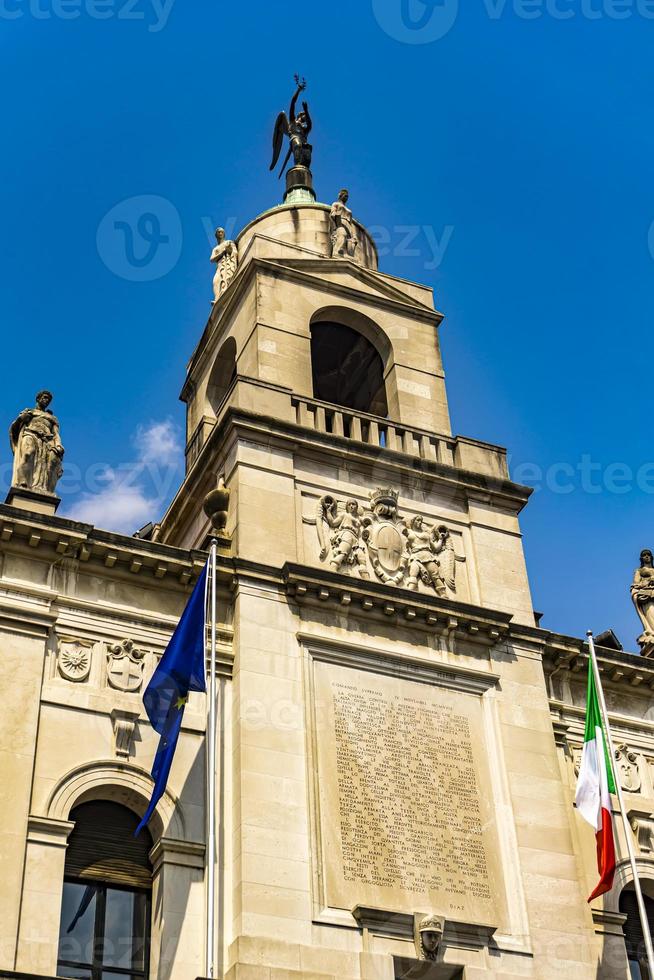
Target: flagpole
{"points": [[211, 776], [625, 822]]}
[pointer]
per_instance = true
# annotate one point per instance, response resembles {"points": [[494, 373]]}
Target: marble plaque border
{"points": [[484, 684]]}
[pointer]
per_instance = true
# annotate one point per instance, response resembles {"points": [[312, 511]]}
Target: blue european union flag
{"points": [[180, 670]]}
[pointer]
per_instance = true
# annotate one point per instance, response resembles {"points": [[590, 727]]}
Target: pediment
{"points": [[347, 275]]}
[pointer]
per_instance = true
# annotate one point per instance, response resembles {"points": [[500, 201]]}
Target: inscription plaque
{"points": [[405, 799]]}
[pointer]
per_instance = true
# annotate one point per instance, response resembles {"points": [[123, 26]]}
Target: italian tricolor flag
{"points": [[594, 789]]}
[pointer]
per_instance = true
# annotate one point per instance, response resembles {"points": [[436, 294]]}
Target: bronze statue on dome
{"points": [[297, 128]]}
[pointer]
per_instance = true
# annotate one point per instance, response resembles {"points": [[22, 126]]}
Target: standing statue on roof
{"points": [[297, 128]]}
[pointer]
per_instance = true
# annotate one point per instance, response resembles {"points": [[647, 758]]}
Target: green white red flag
{"points": [[594, 788]]}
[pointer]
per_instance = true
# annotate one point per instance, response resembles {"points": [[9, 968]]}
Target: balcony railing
{"points": [[372, 430], [356, 427]]}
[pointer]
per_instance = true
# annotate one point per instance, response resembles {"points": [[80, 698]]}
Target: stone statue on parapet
{"points": [[36, 445], [297, 128], [225, 256], [642, 594], [343, 237]]}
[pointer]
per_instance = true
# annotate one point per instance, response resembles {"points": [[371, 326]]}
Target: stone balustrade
{"points": [[373, 430], [274, 401]]}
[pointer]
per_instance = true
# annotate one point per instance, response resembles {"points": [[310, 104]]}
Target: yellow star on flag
{"points": [[179, 704]]}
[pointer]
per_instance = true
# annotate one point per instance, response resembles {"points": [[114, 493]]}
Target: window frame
{"points": [[97, 968]]}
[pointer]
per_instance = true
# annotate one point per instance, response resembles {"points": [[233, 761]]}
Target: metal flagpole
{"points": [[625, 822], [211, 775]]}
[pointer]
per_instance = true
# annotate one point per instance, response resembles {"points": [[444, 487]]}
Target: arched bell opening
{"points": [[348, 369], [223, 375]]}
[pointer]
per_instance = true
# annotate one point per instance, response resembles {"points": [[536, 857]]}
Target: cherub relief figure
{"points": [[432, 559], [345, 547]]}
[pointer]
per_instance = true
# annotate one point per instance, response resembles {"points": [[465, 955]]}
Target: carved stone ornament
{"points": [[428, 935], [642, 824], [401, 552], [626, 763], [74, 660], [125, 667], [124, 725]]}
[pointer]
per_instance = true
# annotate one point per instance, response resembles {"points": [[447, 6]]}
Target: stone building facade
{"points": [[398, 737]]}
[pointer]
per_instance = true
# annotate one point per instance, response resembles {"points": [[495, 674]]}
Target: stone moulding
{"points": [[311, 585], [84, 543], [129, 785], [565, 654], [400, 925], [435, 672]]}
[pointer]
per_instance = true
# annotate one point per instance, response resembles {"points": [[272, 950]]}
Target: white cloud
{"points": [[136, 492]]}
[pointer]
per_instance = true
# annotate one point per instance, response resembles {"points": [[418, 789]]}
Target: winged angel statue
{"points": [[297, 128]]}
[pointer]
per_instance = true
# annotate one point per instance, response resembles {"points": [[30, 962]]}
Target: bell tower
{"points": [[382, 662]]}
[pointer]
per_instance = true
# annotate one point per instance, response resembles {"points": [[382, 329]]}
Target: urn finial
{"points": [[216, 506]]}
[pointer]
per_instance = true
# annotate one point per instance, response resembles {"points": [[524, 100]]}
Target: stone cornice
{"points": [[186, 854], [567, 653], [49, 831], [26, 613], [59, 538], [307, 585]]}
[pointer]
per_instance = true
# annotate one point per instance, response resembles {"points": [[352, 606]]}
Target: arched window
{"points": [[105, 915], [633, 933], [223, 374], [347, 369]]}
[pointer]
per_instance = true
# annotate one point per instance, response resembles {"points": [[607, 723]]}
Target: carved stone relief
{"points": [[428, 936], [125, 667], [399, 551], [627, 769], [124, 725], [74, 660]]}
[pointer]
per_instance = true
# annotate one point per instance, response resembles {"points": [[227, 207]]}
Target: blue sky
{"points": [[513, 138]]}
